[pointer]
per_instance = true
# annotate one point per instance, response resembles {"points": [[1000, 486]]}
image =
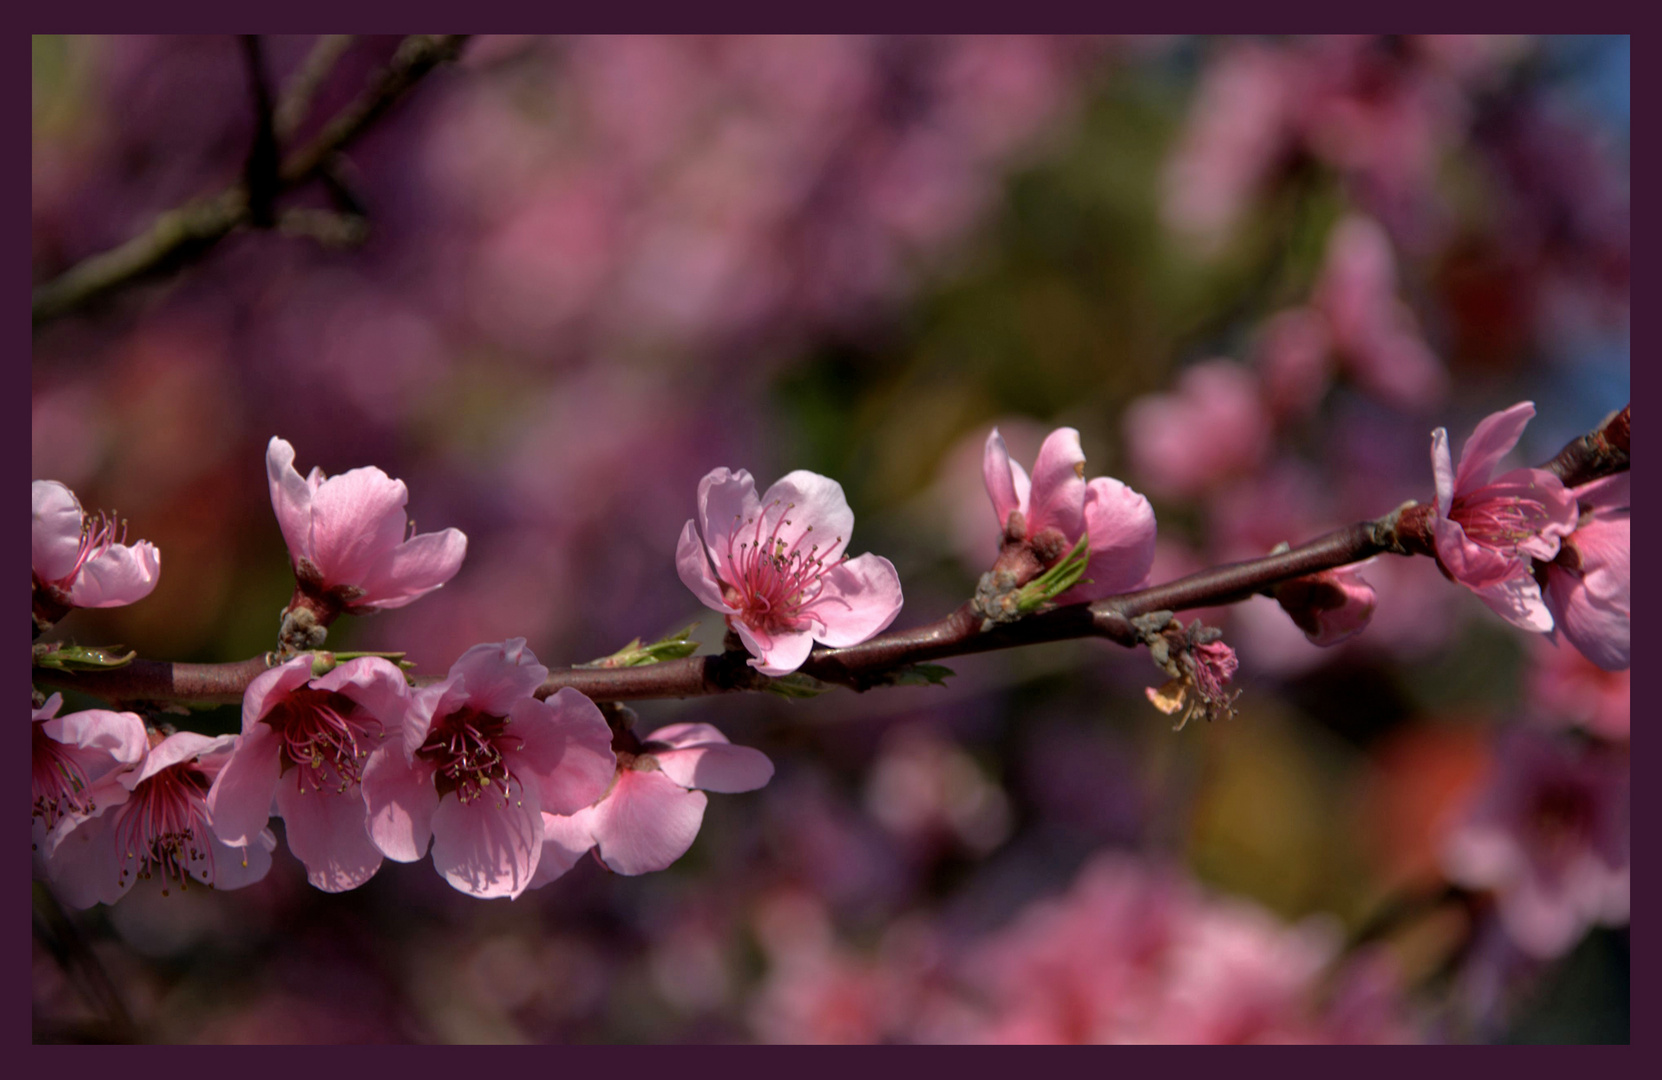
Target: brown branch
{"points": [[1600, 452], [259, 176], [1405, 531], [182, 235], [297, 96]]}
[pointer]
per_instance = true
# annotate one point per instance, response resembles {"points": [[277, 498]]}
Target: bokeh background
{"points": [[1254, 274]]}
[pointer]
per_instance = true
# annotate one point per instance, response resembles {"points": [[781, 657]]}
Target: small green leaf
{"points": [[670, 647], [83, 658], [1055, 581], [917, 675], [796, 686]]}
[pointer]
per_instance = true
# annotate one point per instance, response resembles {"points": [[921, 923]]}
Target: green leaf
{"points": [[669, 647], [796, 686], [1057, 580], [917, 675], [82, 658]]}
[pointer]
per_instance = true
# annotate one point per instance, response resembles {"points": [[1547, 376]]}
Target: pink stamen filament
{"points": [[60, 784], [773, 583], [164, 827], [324, 732], [1500, 523], [97, 534], [469, 749]]}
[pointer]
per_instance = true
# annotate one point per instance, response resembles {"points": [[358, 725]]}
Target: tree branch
{"points": [[185, 234], [1404, 531]]}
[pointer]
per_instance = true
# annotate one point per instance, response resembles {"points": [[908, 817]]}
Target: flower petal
{"points": [[358, 519], [859, 599], [1058, 497], [1518, 600], [85, 865], [228, 867], [1121, 527], [291, 499], [55, 530], [726, 501], [1000, 478], [693, 564], [180, 746], [240, 799], [270, 687], [119, 736], [326, 830], [377, 685], [806, 510], [647, 822], [564, 841], [565, 752], [720, 767], [1494, 438], [399, 801], [776, 654], [490, 845], [495, 676], [120, 574], [411, 570], [1442, 471]]}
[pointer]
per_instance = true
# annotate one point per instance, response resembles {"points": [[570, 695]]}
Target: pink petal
{"points": [[1000, 479], [357, 520], [1493, 439], [228, 867], [720, 767], [647, 822], [1121, 527], [181, 746], [692, 563], [489, 846], [291, 499], [726, 501], [55, 530], [1594, 606], [1537, 485], [680, 736], [815, 509], [120, 574], [411, 570], [566, 751], [240, 799], [271, 686], [1518, 600], [399, 801], [782, 653], [1442, 471], [1609, 492], [118, 736], [859, 599], [376, 684], [1472, 564], [326, 830], [564, 841], [496, 676], [84, 864], [1058, 496]]}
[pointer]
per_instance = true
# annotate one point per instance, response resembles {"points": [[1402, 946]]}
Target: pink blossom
{"points": [[478, 762], [1589, 586], [306, 742], [1568, 688], [73, 754], [1552, 837], [650, 814], [777, 567], [1053, 509], [1214, 427], [78, 562], [347, 536], [1329, 607], [162, 827], [1487, 531]]}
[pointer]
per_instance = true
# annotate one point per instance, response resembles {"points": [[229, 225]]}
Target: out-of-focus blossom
{"points": [[163, 827], [1329, 607], [349, 537], [650, 814], [927, 789], [1050, 511], [478, 761], [777, 567], [72, 755], [305, 742], [1551, 836], [1487, 531], [1589, 586], [1213, 427], [1571, 689], [79, 562]]}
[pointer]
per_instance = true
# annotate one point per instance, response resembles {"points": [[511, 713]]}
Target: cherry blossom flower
{"points": [[1567, 688], [1552, 836], [778, 567], [651, 813], [1329, 607], [1589, 586], [478, 761], [1488, 530], [162, 827], [1053, 508], [78, 562], [306, 742], [1214, 427], [350, 540], [72, 755]]}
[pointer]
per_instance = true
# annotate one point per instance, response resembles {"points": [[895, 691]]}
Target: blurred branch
{"points": [[885, 659], [297, 98], [260, 174], [184, 234], [1600, 452]]}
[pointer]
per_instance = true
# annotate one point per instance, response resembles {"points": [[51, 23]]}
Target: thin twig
{"points": [[184, 234], [259, 176], [304, 84]]}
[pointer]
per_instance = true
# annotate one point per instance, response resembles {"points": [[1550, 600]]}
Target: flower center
{"points": [[1562, 819], [59, 784], [469, 749], [772, 581], [327, 734], [1501, 523], [164, 827], [97, 534]]}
